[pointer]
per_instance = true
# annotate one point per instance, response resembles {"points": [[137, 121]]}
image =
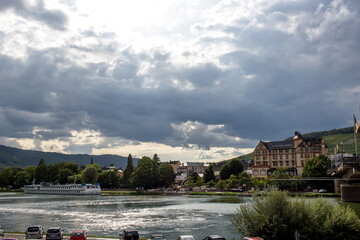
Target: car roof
{"points": [[186, 236], [216, 236], [77, 231], [54, 228]]}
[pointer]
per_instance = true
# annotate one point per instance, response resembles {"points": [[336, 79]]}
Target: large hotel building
{"points": [[289, 154]]}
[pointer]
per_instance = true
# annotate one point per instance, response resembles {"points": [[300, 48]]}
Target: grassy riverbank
{"points": [[239, 194]]}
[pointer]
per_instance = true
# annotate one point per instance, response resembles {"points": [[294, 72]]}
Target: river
{"points": [[108, 215]]}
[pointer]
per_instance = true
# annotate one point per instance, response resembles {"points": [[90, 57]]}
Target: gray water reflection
{"points": [[107, 215]]}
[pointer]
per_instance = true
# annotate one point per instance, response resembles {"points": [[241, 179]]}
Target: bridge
{"points": [[349, 183]]}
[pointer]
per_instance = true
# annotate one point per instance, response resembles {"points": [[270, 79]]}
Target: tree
{"points": [[21, 178], [167, 175], [221, 184], [235, 166], [40, 173], [31, 171], [232, 182], [128, 171], [146, 174], [316, 167], [90, 175], [225, 172], [209, 174], [77, 178], [156, 158], [109, 179], [63, 174]]}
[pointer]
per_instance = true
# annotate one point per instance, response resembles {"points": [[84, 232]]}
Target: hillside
{"points": [[10, 156], [335, 137], [332, 138]]}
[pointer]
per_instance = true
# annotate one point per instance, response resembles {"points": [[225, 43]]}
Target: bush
{"points": [[277, 216]]}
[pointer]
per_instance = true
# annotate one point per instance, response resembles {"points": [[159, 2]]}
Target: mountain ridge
{"points": [[10, 156]]}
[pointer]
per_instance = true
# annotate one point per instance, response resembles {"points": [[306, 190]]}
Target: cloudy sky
{"points": [[189, 80]]}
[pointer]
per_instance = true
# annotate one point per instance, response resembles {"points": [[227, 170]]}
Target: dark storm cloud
{"points": [[53, 18], [276, 82]]}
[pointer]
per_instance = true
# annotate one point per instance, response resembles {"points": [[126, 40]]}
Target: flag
{"points": [[337, 148], [356, 125]]}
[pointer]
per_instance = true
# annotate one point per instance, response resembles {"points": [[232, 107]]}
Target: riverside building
{"points": [[289, 154]]}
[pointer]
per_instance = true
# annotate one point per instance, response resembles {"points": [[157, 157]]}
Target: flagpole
{"points": [[355, 141]]}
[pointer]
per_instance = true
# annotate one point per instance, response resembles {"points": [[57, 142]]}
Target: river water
{"points": [[108, 215]]}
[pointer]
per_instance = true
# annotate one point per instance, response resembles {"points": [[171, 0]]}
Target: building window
{"points": [[293, 156], [275, 164], [280, 157], [263, 172], [256, 172], [287, 157], [281, 163], [287, 163]]}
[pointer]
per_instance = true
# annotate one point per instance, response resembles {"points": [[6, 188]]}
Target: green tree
{"points": [[77, 178], [8, 176], [63, 174], [128, 171], [90, 174], [221, 184], [146, 174], [31, 171], [235, 166], [21, 178], [109, 179], [167, 175], [40, 173], [209, 174], [225, 172], [156, 158], [316, 167], [244, 178], [232, 182]]}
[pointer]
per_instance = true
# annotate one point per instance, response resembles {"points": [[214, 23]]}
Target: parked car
{"points": [[252, 238], [34, 231], [78, 235], [185, 237], [322, 190], [238, 189], [156, 237], [1, 231], [54, 233], [214, 237], [129, 235]]}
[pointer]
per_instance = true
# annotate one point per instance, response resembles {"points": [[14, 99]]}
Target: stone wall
{"points": [[350, 192]]}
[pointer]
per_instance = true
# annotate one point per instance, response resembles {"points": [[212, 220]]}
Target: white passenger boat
{"points": [[68, 189]]}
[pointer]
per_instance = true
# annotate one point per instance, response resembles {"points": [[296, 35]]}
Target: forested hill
{"points": [[10, 156]]}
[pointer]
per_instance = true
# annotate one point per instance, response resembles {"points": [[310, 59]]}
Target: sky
{"points": [[189, 80]]}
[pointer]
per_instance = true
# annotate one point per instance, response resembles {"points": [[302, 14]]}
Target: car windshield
{"points": [[76, 234], [53, 231], [187, 238], [33, 229]]}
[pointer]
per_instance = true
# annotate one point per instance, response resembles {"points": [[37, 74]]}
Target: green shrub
{"points": [[277, 216]]}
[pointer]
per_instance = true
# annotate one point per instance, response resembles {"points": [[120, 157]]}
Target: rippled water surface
{"points": [[107, 215]]}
